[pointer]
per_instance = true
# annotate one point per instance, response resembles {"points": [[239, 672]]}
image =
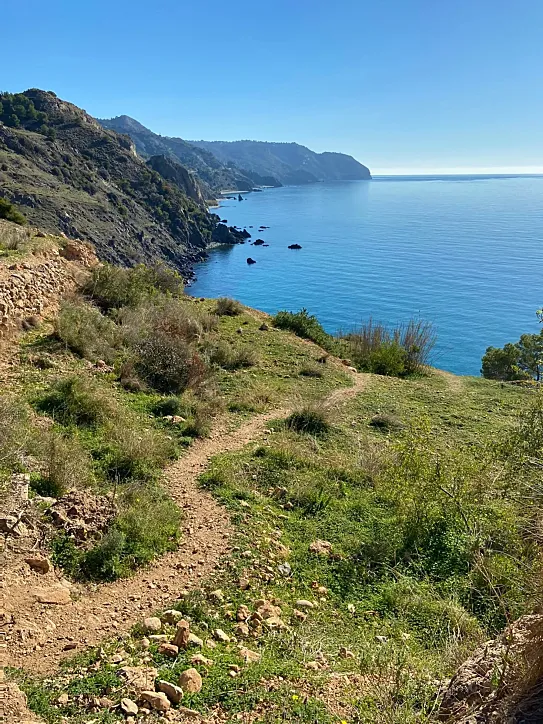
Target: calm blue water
{"points": [[462, 252]]}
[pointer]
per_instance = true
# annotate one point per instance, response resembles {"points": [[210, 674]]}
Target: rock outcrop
{"points": [[502, 683]]}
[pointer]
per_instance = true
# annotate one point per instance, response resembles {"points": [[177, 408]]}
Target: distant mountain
{"points": [[290, 163], [215, 175], [69, 174]]}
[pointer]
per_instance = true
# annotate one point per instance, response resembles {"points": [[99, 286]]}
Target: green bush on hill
{"points": [[305, 325], [9, 212]]}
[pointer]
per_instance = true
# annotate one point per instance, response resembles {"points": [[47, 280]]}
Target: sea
{"points": [[462, 252]]}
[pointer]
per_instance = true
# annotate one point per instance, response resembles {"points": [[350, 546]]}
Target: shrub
{"points": [[16, 431], [147, 526], [76, 401], [64, 465], [199, 411], [113, 287], [304, 325], [311, 370], [13, 237], [228, 307], [133, 452], [168, 364], [167, 406], [309, 419], [225, 355], [166, 315], [398, 352], [9, 212], [86, 331]]}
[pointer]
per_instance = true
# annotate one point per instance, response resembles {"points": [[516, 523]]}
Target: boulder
{"points": [[321, 547], [55, 596], [168, 650], [157, 700], [173, 692], [171, 616], [250, 261], [152, 624], [190, 681], [294, 246], [129, 707], [258, 242], [249, 656], [139, 678], [40, 565]]}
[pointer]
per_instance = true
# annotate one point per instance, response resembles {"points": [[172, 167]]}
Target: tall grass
{"points": [[403, 350]]}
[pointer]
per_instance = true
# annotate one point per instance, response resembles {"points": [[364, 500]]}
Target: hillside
{"points": [[69, 175], [290, 163], [206, 517], [216, 176]]}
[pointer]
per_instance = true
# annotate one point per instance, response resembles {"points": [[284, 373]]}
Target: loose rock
{"points": [[157, 700], [152, 624], [190, 681], [173, 692]]}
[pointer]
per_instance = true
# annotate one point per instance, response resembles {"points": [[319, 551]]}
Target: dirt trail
{"points": [[455, 382], [40, 636]]}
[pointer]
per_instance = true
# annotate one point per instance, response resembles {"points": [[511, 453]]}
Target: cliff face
{"points": [[70, 175], [178, 175], [288, 162], [214, 174]]}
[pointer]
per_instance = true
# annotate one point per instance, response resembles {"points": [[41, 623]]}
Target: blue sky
{"points": [[403, 85]]}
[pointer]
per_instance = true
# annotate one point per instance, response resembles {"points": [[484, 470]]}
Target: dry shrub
{"points": [[15, 430], [227, 356], [86, 331], [228, 307], [404, 350], [134, 452], [64, 464], [13, 237], [168, 364]]}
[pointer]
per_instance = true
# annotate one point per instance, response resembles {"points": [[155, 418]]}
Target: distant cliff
{"points": [[290, 163], [214, 174], [70, 175]]}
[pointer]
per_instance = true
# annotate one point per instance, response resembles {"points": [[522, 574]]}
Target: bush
{"points": [[147, 526], [166, 315], [133, 452], [304, 325], [113, 287], [224, 355], [9, 212], [311, 370], [167, 406], [16, 431], [404, 350], [309, 419], [228, 307], [168, 364], [12, 237], [64, 464], [77, 401], [85, 331]]}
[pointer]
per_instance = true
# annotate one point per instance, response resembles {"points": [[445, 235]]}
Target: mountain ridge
{"points": [[290, 162]]}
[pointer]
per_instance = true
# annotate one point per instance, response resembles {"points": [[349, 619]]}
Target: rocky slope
{"points": [[288, 162], [214, 174], [70, 175]]}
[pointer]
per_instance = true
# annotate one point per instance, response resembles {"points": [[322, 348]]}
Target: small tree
{"points": [[502, 363]]}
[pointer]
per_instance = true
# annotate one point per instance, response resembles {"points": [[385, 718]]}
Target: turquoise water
{"points": [[462, 252]]}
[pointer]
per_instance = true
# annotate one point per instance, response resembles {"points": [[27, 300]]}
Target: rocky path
{"points": [[40, 635]]}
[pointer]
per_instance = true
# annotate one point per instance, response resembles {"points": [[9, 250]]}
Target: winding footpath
{"points": [[42, 636]]}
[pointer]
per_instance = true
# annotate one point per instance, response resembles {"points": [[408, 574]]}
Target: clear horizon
{"points": [[402, 85]]}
